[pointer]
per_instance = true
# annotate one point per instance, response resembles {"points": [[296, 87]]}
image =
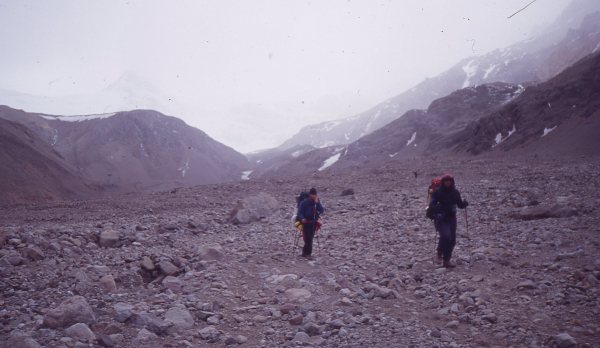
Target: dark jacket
{"points": [[310, 210], [444, 202]]}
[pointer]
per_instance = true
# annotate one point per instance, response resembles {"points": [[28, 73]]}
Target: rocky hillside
{"points": [[135, 150], [575, 34], [415, 134], [423, 133], [31, 170], [171, 270], [561, 116]]}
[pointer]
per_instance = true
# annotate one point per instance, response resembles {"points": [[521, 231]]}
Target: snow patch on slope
{"points": [[499, 139], [246, 174], [183, 169], [489, 70], [330, 161], [412, 139], [548, 130]]}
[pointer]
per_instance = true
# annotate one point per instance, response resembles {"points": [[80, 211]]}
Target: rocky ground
{"points": [[170, 269]]}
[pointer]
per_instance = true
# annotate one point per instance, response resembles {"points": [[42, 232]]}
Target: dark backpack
{"points": [[301, 197]]}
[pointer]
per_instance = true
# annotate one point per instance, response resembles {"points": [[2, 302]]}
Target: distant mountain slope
{"points": [[135, 150], [414, 134], [31, 170], [575, 34], [422, 132], [560, 116], [270, 161]]}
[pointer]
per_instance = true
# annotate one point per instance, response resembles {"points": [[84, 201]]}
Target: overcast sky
{"points": [[251, 73]]}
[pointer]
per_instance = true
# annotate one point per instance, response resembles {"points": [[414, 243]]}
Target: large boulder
{"points": [[254, 208], [297, 294], [181, 319], [72, 311], [109, 239], [545, 211], [564, 340], [80, 332], [21, 341], [210, 252]]}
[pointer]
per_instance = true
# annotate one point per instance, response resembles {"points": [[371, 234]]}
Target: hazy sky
{"points": [[251, 73]]}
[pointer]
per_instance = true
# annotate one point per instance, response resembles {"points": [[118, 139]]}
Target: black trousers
{"points": [[308, 233], [446, 228]]}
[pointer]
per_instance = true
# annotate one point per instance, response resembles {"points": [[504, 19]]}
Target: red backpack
{"points": [[434, 186]]}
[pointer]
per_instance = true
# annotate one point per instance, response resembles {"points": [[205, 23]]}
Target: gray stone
{"points": [[181, 319], [107, 283], [297, 320], [106, 341], [33, 253], [167, 268], [72, 311], [491, 318], [254, 208], [544, 212], [123, 311], [527, 284], [210, 253], [452, 324], [312, 329], [297, 294], [150, 322], [21, 342], [144, 336], [109, 239], [172, 283], [213, 320], [209, 333], [564, 340], [80, 332], [147, 264], [260, 319], [336, 324], [301, 337]]}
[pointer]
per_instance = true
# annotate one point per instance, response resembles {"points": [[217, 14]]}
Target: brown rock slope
{"points": [[135, 150], [32, 170], [561, 116]]}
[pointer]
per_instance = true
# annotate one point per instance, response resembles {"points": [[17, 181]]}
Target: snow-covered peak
{"points": [[78, 118]]}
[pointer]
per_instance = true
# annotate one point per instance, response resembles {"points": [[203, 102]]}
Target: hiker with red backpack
{"points": [[309, 213], [444, 199]]}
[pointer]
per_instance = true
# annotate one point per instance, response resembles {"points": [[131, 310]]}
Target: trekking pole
{"points": [[466, 221], [295, 240]]}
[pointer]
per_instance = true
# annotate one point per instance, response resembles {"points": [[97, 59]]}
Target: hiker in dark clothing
{"points": [[444, 202], [309, 212]]}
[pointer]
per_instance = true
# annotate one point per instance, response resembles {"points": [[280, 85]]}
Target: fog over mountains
{"points": [[522, 98], [573, 35]]}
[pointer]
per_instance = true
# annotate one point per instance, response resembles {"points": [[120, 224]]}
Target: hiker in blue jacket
{"points": [[444, 202], [309, 213]]}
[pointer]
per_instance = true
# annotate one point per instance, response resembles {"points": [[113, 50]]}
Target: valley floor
{"points": [[528, 272]]}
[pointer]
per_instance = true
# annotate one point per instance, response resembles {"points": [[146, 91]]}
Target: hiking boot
{"points": [[438, 258], [448, 264]]}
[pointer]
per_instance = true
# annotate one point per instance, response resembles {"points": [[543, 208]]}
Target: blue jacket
{"points": [[310, 210]]}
